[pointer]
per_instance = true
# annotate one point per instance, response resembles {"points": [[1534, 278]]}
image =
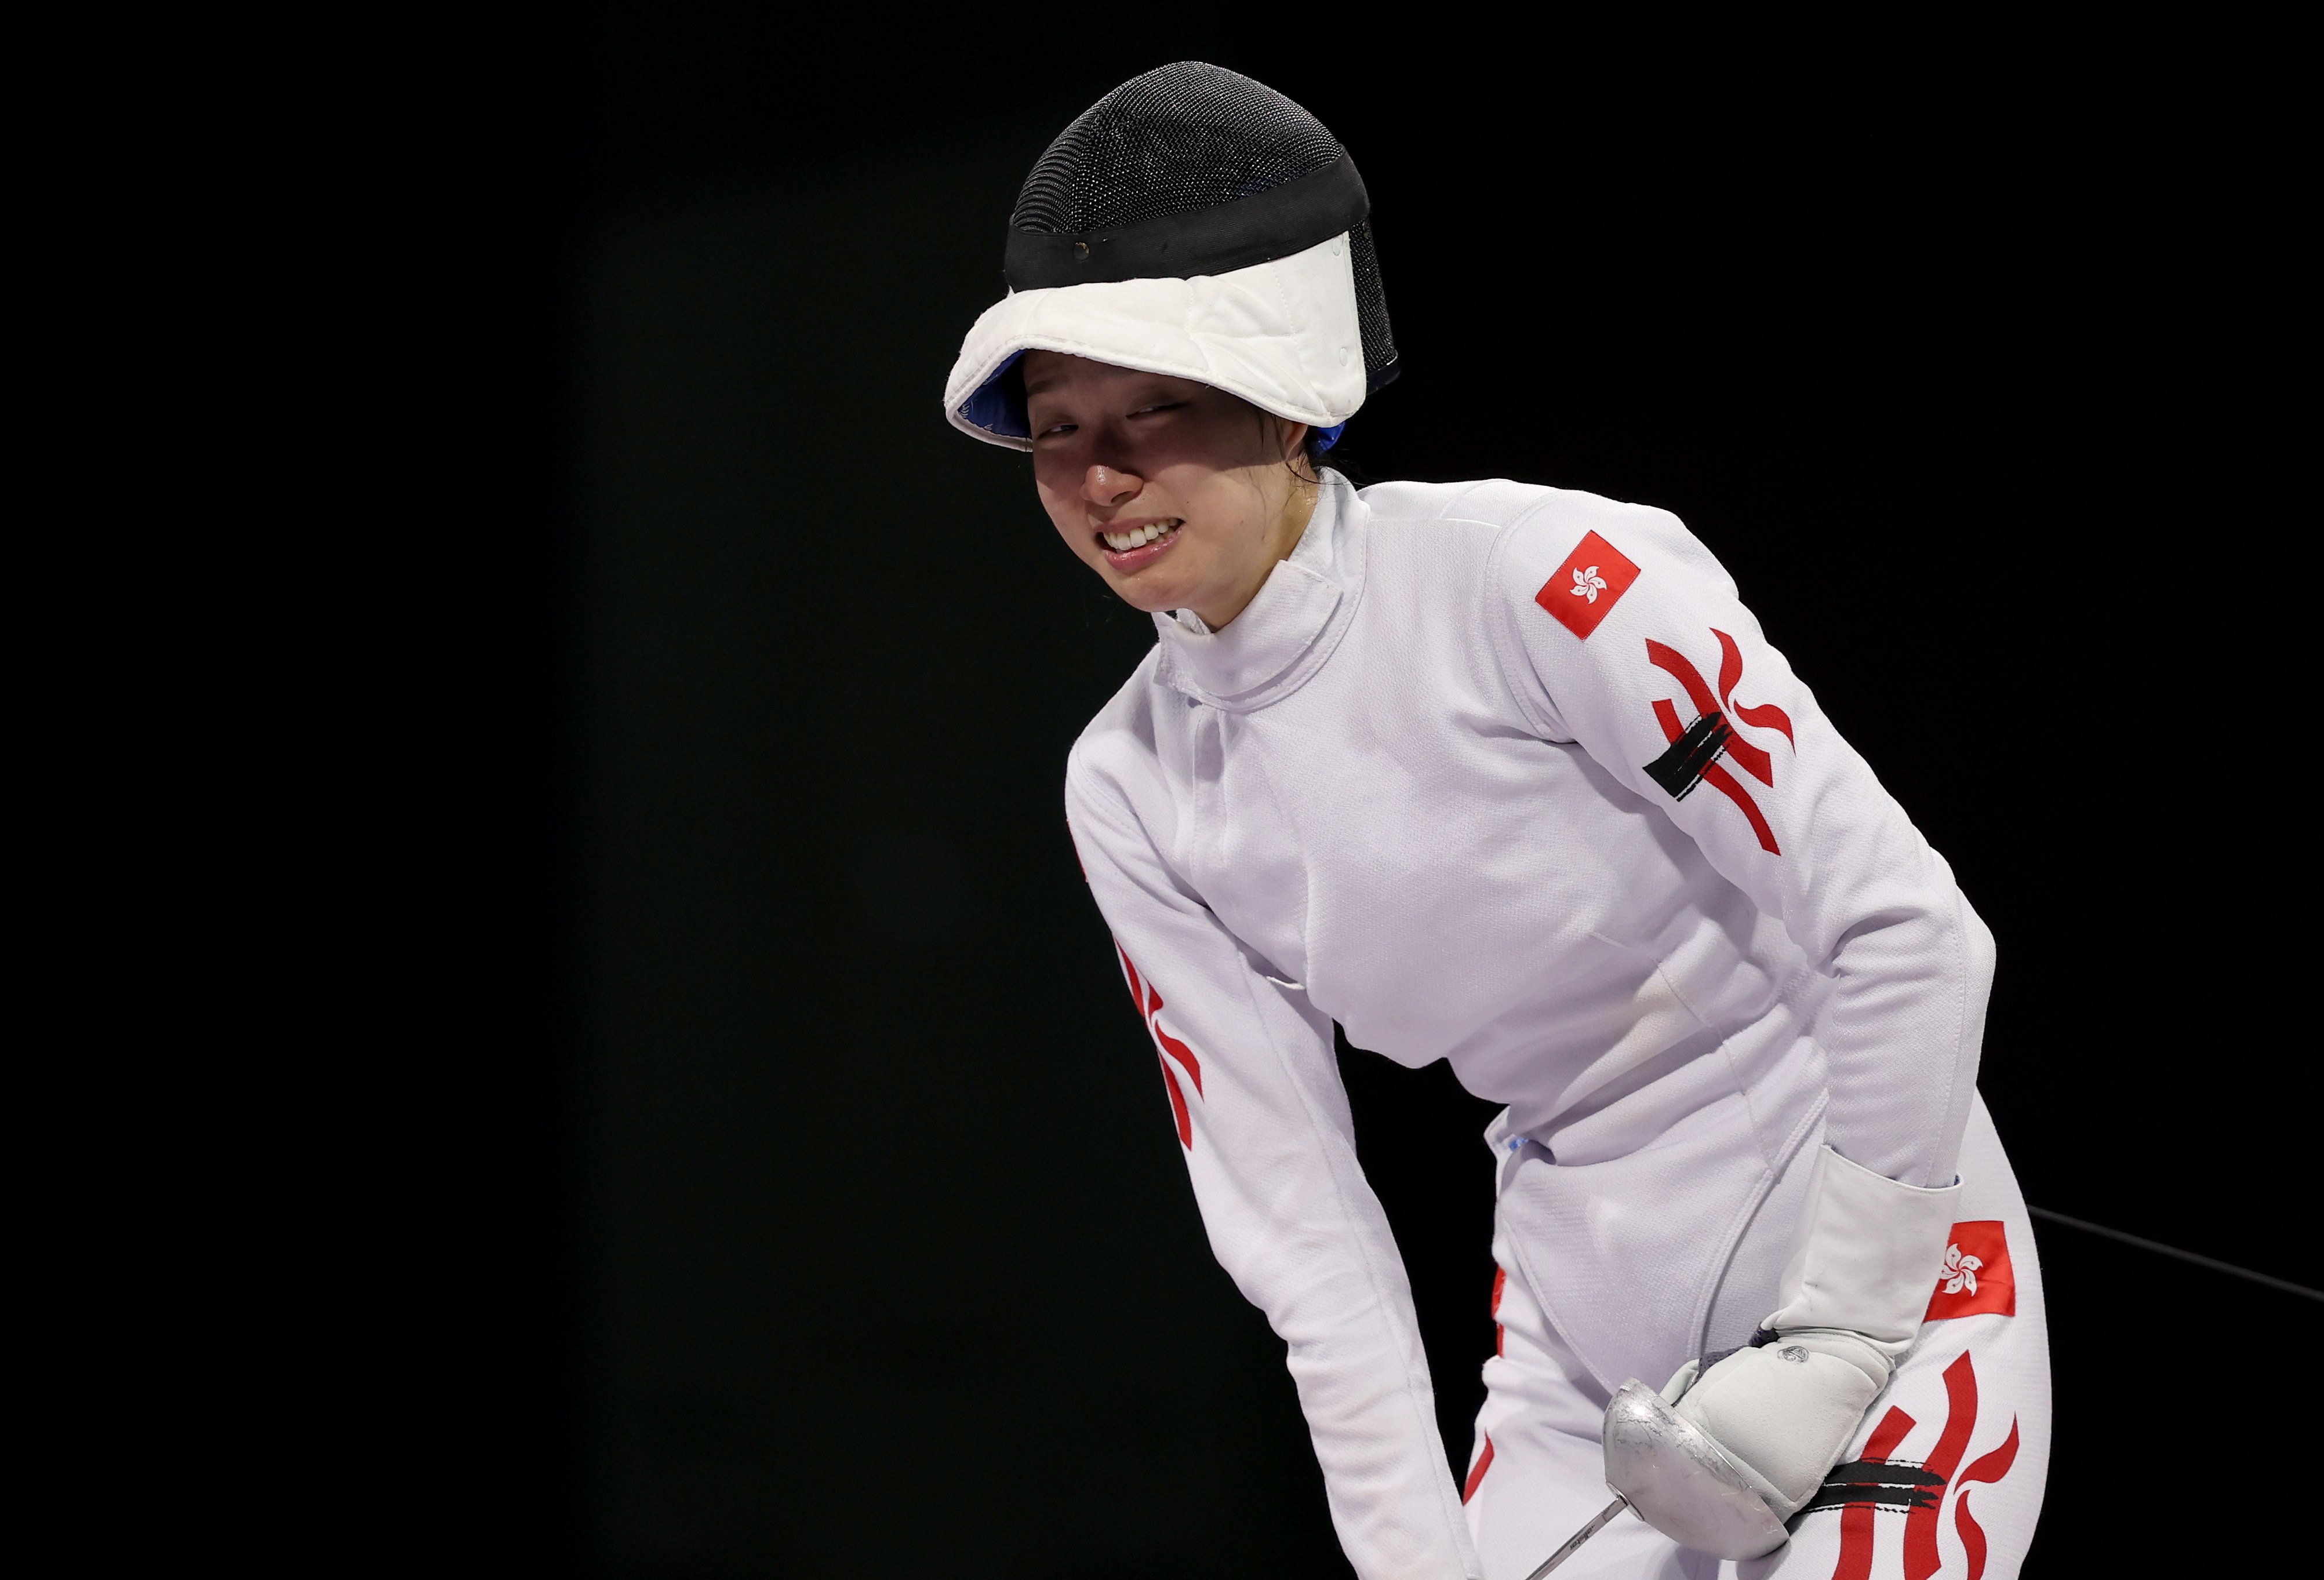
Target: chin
{"points": [[1150, 600]]}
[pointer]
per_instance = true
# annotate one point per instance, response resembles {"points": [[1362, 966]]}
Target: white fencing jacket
{"points": [[1409, 790]]}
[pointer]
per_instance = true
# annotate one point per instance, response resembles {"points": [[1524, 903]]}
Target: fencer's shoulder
{"points": [[1537, 531], [1489, 502], [1495, 512]]}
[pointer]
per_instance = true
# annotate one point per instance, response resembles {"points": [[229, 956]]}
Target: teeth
{"points": [[1122, 542]]}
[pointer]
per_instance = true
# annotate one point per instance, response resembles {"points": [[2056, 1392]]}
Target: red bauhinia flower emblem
{"points": [[1976, 1278], [1582, 592], [1148, 1000]]}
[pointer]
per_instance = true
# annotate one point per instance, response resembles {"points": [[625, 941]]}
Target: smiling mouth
{"points": [[1138, 538]]}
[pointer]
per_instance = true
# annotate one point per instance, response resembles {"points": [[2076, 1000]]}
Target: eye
{"points": [[1158, 406], [1056, 430]]}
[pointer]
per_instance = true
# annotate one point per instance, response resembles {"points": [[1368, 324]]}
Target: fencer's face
{"points": [[1181, 496]]}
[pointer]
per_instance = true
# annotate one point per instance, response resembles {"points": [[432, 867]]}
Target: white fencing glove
{"points": [[1851, 1304]]}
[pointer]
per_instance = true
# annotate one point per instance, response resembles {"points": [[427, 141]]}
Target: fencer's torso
{"points": [[1435, 784], [1348, 783]]}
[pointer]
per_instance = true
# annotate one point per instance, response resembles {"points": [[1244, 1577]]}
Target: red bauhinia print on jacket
{"points": [[1696, 748], [1148, 1000]]}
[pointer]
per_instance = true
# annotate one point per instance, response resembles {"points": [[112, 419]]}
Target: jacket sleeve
{"points": [[1616, 629], [1255, 1093]]}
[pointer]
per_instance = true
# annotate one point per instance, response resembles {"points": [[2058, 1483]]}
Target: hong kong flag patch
{"points": [[1586, 587], [1974, 1280]]}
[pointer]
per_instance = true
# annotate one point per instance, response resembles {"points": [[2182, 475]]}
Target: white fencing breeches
{"points": [[1943, 1479]]}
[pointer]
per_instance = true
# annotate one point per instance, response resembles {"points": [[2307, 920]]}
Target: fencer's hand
{"points": [[1784, 1411]]}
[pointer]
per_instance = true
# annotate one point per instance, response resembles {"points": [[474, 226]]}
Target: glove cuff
{"points": [[1866, 1258]]}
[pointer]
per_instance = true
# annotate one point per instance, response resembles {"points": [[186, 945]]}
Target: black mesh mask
{"points": [[1191, 171]]}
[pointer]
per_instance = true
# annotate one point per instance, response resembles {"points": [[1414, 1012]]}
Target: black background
{"points": [[836, 1224]]}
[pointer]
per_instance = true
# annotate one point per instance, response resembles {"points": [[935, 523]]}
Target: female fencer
{"points": [[1508, 776]]}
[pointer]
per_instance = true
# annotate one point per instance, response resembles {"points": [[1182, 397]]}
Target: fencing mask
{"points": [[1193, 223]]}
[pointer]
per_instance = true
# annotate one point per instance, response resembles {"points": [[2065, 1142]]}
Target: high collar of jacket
{"points": [[1283, 636]]}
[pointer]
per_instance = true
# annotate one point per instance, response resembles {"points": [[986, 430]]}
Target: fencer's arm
{"points": [[1793, 816], [1263, 1121], [1790, 813]]}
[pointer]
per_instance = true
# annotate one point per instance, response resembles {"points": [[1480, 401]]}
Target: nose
{"points": [[1109, 486]]}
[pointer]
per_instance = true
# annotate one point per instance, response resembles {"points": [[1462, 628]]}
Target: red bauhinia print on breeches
{"points": [[1877, 1480], [1977, 1280]]}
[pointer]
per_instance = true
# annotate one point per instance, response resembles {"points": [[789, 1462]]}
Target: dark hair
{"points": [[1339, 460], [1314, 452]]}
